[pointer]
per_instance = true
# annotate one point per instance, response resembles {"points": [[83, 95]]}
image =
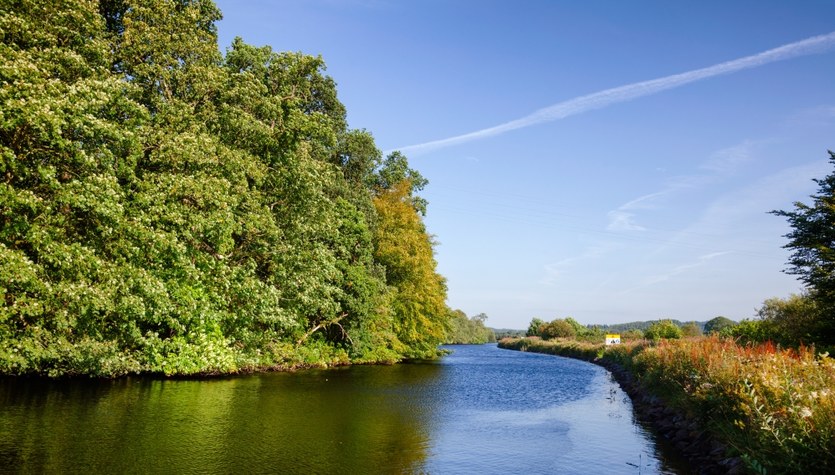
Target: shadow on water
{"points": [[479, 410]]}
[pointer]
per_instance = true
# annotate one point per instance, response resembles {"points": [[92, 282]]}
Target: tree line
{"points": [[171, 209]]}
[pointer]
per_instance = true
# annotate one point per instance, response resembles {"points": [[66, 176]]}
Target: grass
{"points": [[774, 407]]}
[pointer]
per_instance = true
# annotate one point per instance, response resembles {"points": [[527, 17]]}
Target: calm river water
{"points": [[479, 410]]}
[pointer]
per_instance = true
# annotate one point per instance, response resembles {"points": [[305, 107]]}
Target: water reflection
{"points": [[481, 410], [337, 421]]}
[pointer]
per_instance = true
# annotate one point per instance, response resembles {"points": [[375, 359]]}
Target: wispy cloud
{"points": [[598, 100], [620, 220], [681, 269], [556, 270], [727, 220], [727, 160], [623, 218], [721, 164]]}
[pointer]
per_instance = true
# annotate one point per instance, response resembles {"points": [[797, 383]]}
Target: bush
{"points": [[793, 321], [558, 329], [775, 408], [535, 327], [691, 329], [662, 329], [716, 325], [632, 334], [750, 331]]}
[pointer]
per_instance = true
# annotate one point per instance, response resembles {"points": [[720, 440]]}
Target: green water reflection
{"points": [[338, 421]]}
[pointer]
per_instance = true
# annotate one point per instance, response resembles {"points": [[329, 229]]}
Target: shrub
{"points": [[716, 325], [794, 320], [662, 329], [691, 329], [535, 327], [558, 329], [750, 331], [632, 334]]}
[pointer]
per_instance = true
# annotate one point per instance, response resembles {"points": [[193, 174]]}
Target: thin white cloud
{"points": [[554, 271], [720, 165], [642, 202], [773, 191], [727, 160], [678, 270], [620, 220], [727, 219], [623, 219], [598, 100]]}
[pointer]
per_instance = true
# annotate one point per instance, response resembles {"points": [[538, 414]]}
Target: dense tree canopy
{"points": [[469, 331], [167, 208]]}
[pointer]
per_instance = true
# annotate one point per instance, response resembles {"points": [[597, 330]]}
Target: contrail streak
{"points": [[597, 100]]}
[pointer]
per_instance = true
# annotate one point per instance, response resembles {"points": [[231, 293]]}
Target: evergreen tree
{"points": [[812, 241]]}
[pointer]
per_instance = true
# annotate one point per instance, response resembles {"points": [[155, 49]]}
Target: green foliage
{"points": [[773, 408], [630, 335], [718, 324], [420, 317], [394, 171], [639, 325], [592, 334], [813, 258], [795, 320], [507, 333], [791, 322], [750, 331], [564, 328], [535, 327], [691, 329], [469, 331], [563, 347], [167, 209], [558, 328], [663, 329]]}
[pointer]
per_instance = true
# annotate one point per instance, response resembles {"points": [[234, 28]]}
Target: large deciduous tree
{"points": [[421, 318], [166, 208]]}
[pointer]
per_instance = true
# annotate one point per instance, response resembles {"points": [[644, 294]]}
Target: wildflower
{"points": [[805, 412]]}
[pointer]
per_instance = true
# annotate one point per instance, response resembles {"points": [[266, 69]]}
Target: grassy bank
{"points": [[775, 408]]}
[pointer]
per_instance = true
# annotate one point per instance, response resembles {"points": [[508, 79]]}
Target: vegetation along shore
{"points": [[169, 209], [727, 405]]}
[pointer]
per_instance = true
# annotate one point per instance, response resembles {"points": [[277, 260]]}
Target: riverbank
{"points": [[727, 408]]}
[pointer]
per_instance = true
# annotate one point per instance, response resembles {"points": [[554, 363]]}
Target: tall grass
{"points": [[773, 407]]}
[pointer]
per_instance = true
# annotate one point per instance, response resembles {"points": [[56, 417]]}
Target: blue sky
{"points": [[639, 202]]}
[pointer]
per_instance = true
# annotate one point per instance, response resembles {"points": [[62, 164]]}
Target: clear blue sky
{"points": [[641, 203]]}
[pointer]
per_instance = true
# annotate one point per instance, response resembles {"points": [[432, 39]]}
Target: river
{"points": [[479, 410]]}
